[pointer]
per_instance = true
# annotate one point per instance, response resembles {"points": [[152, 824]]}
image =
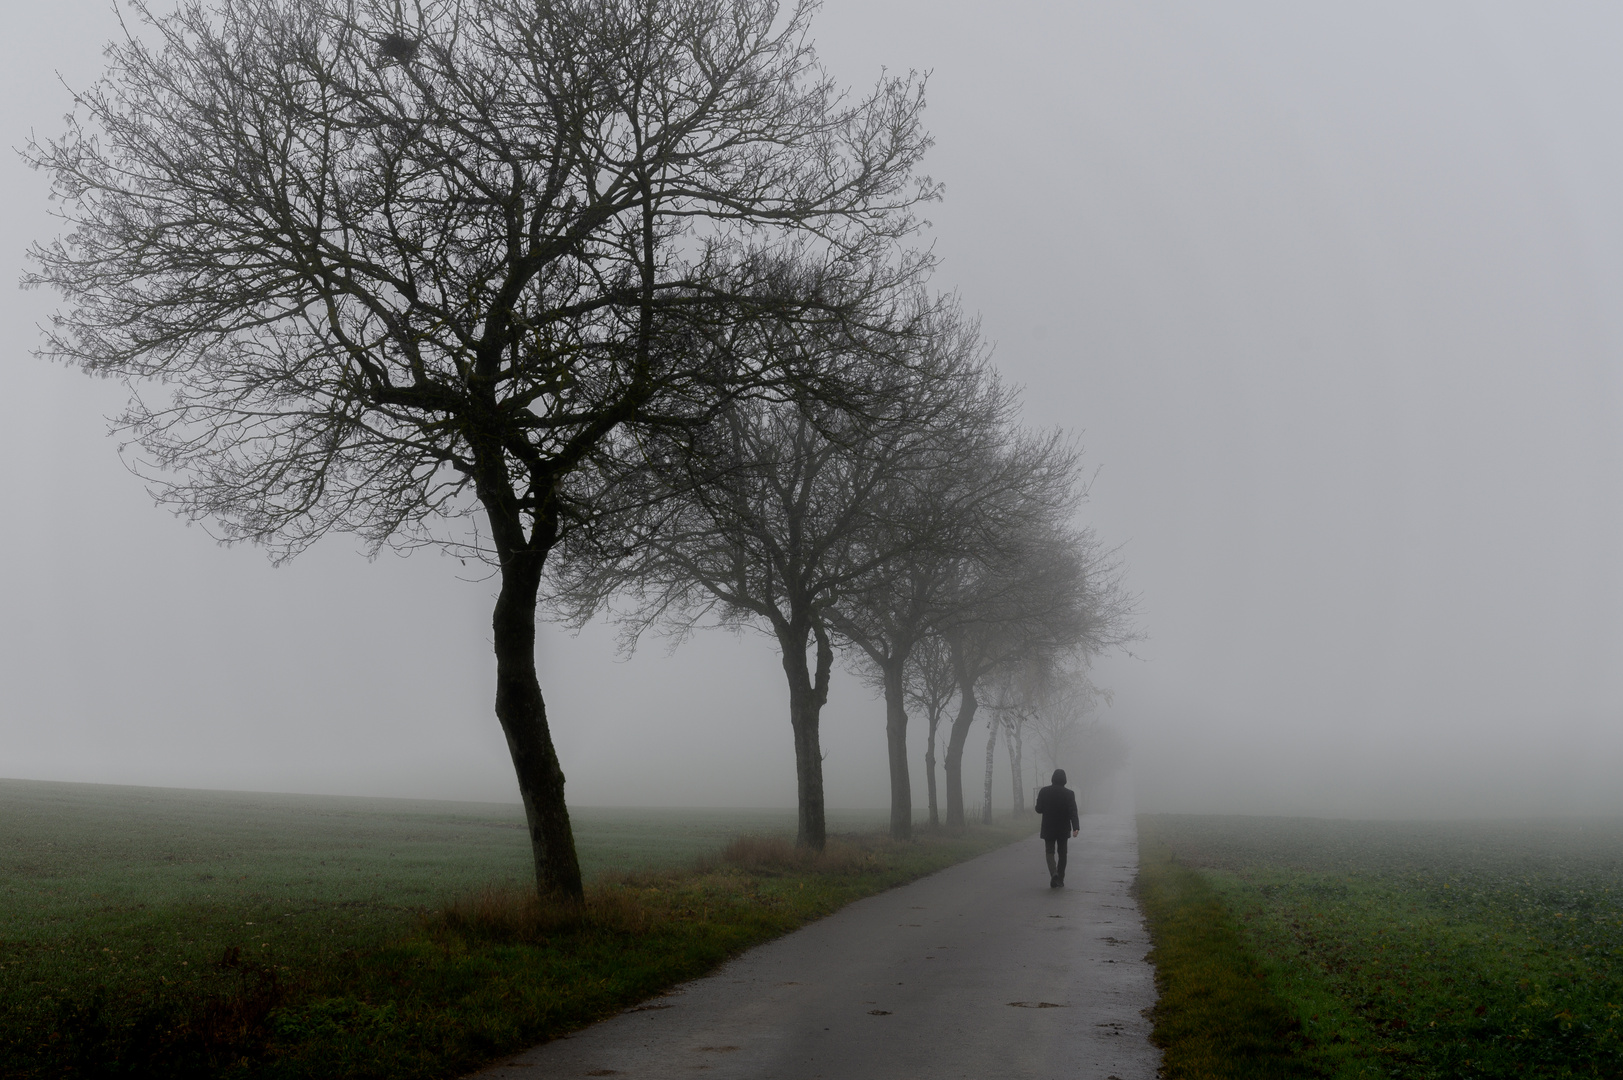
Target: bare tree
{"points": [[1052, 698], [381, 265], [1019, 693], [1014, 726], [793, 505], [931, 685], [1056, 704], [994, 723]]}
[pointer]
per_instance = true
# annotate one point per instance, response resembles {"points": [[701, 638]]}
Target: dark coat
{"points": [[1057, 804]]}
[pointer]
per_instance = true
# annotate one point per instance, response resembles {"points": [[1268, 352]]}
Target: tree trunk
{"points": [[929, 769], [956, 737], [523, 716], [901, 784], [1014, 742], [808, 691], [991, 747]]}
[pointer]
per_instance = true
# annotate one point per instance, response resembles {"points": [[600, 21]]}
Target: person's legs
{"points": [[1048, 853], [1059, 874]]}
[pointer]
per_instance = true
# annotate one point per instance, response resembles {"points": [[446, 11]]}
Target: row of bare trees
{"points": [[1052, 700], [618, 295], [919, 527]]}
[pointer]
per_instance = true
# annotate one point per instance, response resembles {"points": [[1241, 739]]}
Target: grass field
{"points": [[1377, 949], [176, 933]]}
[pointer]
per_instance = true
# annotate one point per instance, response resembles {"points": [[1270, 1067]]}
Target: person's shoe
{"points": [[1059, 883], [1053, 882]]}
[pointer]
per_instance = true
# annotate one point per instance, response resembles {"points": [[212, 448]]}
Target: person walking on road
{"points": [[1057, 804]]}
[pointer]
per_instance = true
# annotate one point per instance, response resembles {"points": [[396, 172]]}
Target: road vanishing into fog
{"points": [[979, 971]]}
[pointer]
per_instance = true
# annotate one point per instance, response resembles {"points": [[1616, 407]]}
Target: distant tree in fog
{"points": [[1099, 753], [931, 685], [1050, 699], [1061, 715], [1052, 589], [1017, 694], [373, 266]]}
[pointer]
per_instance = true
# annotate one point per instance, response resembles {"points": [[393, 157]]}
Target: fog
{"points": [[1332, 293]]}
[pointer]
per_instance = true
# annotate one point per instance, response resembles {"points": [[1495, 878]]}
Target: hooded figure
{"points": [[1057, 804]]}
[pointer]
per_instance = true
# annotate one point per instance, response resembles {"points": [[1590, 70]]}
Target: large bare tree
{"points": [[372, 266]]}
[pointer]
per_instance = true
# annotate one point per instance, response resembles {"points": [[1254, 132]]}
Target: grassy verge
{"points": [[1423, 951], [185, 936], [1216, 1015]]}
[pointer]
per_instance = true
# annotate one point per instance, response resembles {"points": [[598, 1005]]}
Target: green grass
{"points": [[1215, 1015], [179, 933], [1423, 950]]}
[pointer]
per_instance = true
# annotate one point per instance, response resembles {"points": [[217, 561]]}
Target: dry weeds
{"points": [[777, 854], [516, 913]]}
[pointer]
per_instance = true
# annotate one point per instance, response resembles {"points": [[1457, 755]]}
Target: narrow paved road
{"points": [[981, 971]]}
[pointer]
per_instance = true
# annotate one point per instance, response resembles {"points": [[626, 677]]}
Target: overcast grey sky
{"points": [[1331, 290]]}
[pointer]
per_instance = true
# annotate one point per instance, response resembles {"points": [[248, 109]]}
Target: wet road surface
{"points": [[979, 971]]}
